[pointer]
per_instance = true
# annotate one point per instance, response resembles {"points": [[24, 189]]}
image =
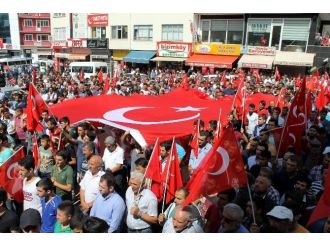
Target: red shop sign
{"points": [[98, 20]]}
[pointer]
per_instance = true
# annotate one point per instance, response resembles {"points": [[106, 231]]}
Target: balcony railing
{"points": [[45, 43], [30, 29]]}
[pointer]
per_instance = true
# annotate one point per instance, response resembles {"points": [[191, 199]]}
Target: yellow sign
{"points": [[218, 49]]}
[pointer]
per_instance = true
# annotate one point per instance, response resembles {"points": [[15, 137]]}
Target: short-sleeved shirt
{"points": [[64, 176], [46, 160], [111, 159], [58, 228], [5, 154], [147, 204], [49, 210], [90, 184]]}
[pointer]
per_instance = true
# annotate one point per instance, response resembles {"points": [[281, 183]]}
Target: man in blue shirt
{"points": [[49, 204], [108, 204]]}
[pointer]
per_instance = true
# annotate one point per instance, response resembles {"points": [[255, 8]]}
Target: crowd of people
{"points": [[90, 178]]}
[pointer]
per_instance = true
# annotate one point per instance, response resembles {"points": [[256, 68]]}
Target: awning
{"points": [[256, 61], [294, 58], [72, 56], [212, 61], [118, 55], [168, 59], [139, 56]]}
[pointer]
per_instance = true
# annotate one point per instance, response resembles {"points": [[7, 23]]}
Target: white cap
{"points": [[326, 150], [281, 213]]}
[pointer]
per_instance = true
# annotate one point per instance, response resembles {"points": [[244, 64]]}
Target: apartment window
{"points": [[259, 32], [143, 32], [28, 23], [222, 31], [60, 33], [42, 23], [28, 37], [55, 15], [172, 32], [119, 32], [98, 32], [42, 37]]}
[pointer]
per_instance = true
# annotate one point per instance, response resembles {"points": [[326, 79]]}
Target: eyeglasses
{"points": [[227, 220]]}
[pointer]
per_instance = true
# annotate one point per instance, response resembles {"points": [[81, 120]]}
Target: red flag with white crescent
{"points": [[10, 180], [222, 168], [295, 123]]}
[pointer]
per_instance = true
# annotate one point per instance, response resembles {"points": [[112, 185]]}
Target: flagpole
{"points": [[167, 174], [244, 99], [152, 153], [219, 123], [253, 215]]}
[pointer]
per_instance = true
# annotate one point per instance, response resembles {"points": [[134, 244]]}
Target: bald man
{"points": [[182, 222], [89, 185]]}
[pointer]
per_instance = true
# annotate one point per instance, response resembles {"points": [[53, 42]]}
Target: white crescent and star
{"points": [[225, 161], [118, 115], [293, 137]]}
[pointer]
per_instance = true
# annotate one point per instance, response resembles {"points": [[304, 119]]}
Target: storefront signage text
{"points": [[98, 20], [172, 49], [218, 49], [261, 50], [97, 43]]}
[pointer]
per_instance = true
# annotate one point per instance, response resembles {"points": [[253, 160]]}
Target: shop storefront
{"points": [[258, 57], [99, 50], [172, 52], [69, 51], [214, 56]]}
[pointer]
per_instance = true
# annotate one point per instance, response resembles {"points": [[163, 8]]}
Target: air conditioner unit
{"points": [[38, 29]]}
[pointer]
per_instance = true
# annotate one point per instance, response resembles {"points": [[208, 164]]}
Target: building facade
{"points": [[35, 35]]}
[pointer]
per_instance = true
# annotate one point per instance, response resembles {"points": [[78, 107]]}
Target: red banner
{"points": [[98, 20], [1, 43]]}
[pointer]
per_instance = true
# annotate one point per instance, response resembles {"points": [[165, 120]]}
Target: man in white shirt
{"points": [[141, 206], [26, 170], [203, 148], [252, 120], [89, 185], [113, 158]]}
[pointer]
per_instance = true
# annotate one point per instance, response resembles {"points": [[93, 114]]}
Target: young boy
{"points": [[46, 158], [64, 214], [49, 203]]}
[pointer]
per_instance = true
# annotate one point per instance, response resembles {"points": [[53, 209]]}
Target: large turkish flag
{"points": [[147, 117]]}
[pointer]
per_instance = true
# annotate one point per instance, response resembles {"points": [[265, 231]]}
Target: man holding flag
{"points": [[203, 148]]}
